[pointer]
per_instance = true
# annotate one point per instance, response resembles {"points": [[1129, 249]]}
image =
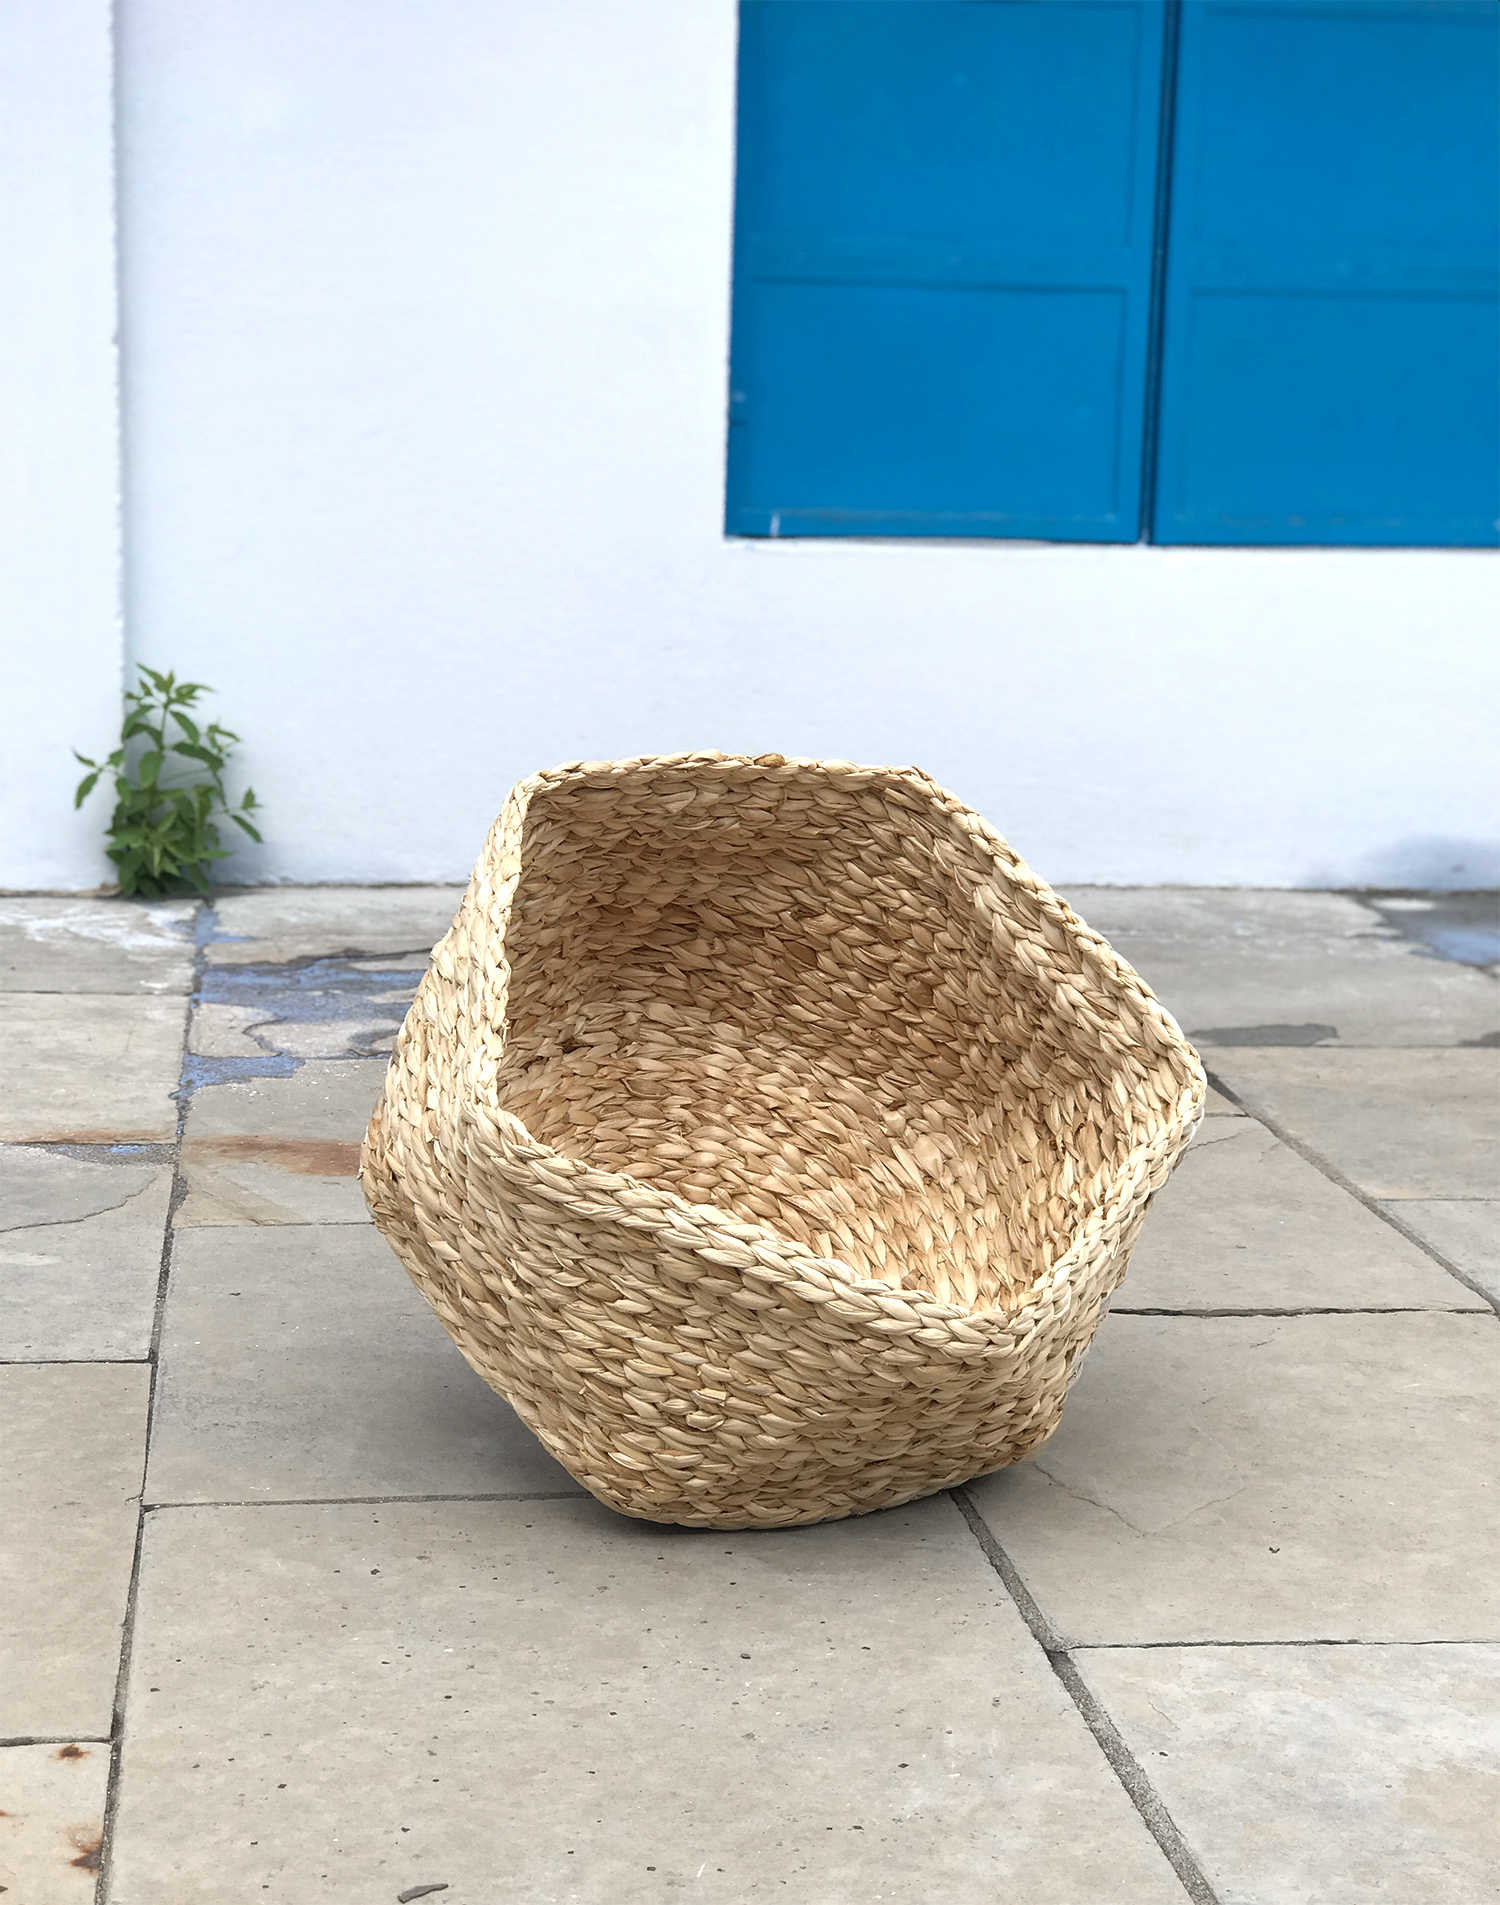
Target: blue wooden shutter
{"points": [[943, 235], [1329, 369]]}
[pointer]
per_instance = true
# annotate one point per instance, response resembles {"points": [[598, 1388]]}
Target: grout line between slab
{"points": [[84, 992], [55, 1739], [201, 915], [1371, 1204], [370, 1501], [69, 1362], [1159, 1822], [1127, 1769], [1047, 1637], [1162, 1646], [1354, 1044], [1353, 1309]]}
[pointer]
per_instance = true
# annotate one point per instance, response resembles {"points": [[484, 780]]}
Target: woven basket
{"points": [[770, 1136]]}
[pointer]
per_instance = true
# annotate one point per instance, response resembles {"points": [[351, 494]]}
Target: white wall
{"points": [[426, 314], [60, 635]]}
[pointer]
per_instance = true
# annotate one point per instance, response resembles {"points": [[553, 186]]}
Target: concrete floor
{"points": [[294, 1607]]}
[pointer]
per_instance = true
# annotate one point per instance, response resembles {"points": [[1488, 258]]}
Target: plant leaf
{"points": [[163, 833]]}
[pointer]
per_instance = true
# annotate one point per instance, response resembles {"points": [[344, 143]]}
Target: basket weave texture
{"points": [[770, 1136]]}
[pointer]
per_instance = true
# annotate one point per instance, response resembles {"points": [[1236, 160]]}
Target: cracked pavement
{"points": [[293, 1605]]}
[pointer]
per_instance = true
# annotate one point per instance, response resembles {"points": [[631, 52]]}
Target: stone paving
{"points": [[294, 1607]]}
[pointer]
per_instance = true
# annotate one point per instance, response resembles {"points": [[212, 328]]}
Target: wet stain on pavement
{"points": [[1462, 927], [264, 1021], [198, 1072]]}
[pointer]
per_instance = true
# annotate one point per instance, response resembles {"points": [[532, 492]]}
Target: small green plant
{"points": [[163, 835]]}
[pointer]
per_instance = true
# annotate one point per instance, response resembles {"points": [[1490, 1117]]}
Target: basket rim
{"points": [[726, 1240]]}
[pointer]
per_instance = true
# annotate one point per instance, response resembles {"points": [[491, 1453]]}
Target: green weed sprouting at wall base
{"points": [[163, 834]]}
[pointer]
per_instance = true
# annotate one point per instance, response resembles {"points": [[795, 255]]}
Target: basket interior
{"points": [[777, 996]]}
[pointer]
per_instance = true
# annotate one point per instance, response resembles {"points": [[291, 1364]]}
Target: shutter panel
{"points": [[943, 232], [1329, 368]]}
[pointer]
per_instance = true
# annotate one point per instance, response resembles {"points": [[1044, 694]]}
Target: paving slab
{"points": [[73, 1437], [1397, 1124], [278, 924], [1328, 1774], [225, 1031], [1266, 1479], [270, 1181], [42, 1186], [84, 1289], [96, 945], [52, 1821], [595, 1709], [1465, 1230], [239, 1031], [1244, 1223], [280, 1150], [1241, 959], [90, 1068], [327, 1100], [300, 1363]]}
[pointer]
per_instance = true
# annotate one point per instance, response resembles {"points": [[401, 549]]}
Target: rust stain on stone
{"points": [[71, 1752], [89, 1849], [308, 1157]]}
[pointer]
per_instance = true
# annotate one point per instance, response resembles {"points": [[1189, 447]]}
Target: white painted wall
{"points": [[426, 320], [60, 635]]}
